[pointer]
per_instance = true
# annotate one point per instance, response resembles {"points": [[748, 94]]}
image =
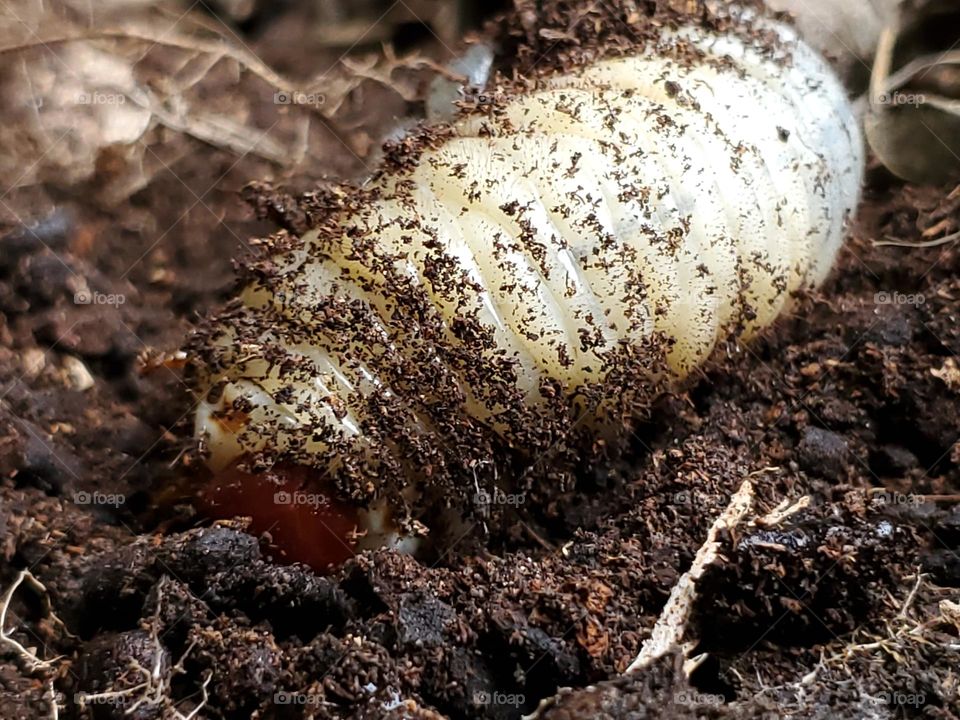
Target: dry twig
{"points": [[26, 655], [668, 632]]}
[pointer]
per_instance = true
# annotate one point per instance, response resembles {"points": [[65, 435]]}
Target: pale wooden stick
{"points": [[668, 631]]}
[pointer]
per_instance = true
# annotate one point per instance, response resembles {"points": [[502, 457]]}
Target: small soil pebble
{"points": [[823, 453]]}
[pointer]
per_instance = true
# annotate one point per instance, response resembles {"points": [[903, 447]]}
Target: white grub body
{"points": [[539, 270]]}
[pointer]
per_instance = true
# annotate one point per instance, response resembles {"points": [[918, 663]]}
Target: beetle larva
{"points": [[517, 283]]}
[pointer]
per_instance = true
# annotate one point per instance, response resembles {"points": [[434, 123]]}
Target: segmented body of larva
{"points": [[540, 269]]}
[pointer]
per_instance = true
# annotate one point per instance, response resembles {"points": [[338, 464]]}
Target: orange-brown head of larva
{"points": [[527, 279]]}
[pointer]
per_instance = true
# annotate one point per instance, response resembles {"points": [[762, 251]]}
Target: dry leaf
{"points": [[101, 97]]}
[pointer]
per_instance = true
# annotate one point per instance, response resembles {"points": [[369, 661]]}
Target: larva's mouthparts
{"points": [[299, 514], [512, 287]]}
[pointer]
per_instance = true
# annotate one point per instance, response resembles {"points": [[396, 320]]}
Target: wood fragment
{"points": [[668, 632]]}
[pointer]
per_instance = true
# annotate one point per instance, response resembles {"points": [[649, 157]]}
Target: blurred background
{"points": [[103, 98]]}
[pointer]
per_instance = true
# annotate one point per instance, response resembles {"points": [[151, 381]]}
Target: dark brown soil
{"points": [[853, 400]]}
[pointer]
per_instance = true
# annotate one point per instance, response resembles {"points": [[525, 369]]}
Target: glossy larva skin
{"points": [[617, 222]]}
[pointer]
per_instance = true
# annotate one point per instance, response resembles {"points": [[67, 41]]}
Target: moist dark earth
{"points": [[840, 609]]}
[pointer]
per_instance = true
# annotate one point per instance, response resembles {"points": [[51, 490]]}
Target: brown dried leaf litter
{"points": [[106, 96]]}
